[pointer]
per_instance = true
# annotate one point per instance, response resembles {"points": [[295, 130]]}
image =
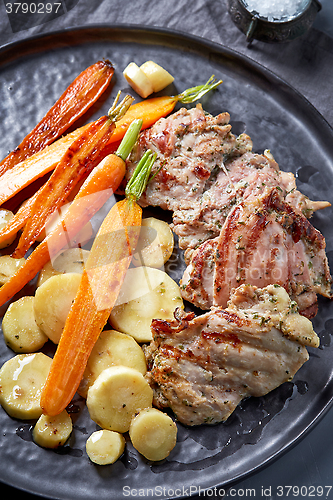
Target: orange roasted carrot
{"points": [[76, 162], [96, 190], [74, 102], [37, 165], [151, 110], [100, 284]]}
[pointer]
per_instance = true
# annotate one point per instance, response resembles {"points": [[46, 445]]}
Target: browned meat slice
{"points": [[190, 145], [263, 241], [205, 170], [202, 367]]}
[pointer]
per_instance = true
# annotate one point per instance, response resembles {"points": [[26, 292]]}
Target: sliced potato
{"points": [[138, 80], [105, 447], [153, 434], [51, 432], [53, 300], [21, 381], [80, 239], [8, 267], [147, 293], [112, 348], [19, 327], [69, 261], [155, 243], [5, 217], [116, 395], [159, 77]]}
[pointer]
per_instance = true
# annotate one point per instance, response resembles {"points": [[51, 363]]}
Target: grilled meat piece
{"points": [[263, 241], [190, 145], [202, 367], [205, 170]]}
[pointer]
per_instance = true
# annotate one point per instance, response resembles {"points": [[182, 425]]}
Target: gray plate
{"points": [[33, 73]]}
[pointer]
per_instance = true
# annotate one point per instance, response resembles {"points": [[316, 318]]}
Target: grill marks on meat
{"points": [[262, 241], [202, 367], [190, 146]]}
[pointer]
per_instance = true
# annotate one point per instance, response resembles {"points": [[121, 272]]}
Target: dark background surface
{"points": [[306, 64]]}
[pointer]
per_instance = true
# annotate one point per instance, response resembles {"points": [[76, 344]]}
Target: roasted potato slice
{"points": [[21, 380], [116, 395], [155, 243], [112, 348], [53, 300], [153, 433], [147, 293], [19, 327], [105, 447]]}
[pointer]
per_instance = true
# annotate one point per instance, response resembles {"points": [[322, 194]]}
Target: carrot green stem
{"points": [[140, 177], [130, 138], [194, 93], [117, 111]]}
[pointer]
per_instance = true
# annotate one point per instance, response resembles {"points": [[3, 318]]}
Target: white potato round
{"points": [[53, 300], [112, 348], [19, 327], [105, 447], [52, 432], [155, 243], [153, 434], [159, 77], [117, 394], [8, 267], [22, 379], [146, 294], [138, 80], [69, 261], [5, 217]]}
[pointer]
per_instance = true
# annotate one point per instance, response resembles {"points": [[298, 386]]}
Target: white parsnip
{"points": [[147, 293], [19, 327], [8, 267], [117, 394], [69, 261], [155, 243], [159, 77], [112, 348], [105, 447], [53, 300], [21, 380], [153, 433], [52, 432], [138, 80], [5, 217]]}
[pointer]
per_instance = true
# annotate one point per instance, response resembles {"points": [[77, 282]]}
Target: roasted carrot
{"points": [[96, 190], [74, 102], [100, 284], [37, 165], [76, 162], [151, 110]]}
